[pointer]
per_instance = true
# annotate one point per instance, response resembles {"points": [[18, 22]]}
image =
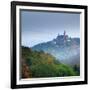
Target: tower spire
{"points": [[64, 33]]}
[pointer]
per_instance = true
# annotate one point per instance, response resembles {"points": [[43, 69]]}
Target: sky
{"points": [[38, 27]]}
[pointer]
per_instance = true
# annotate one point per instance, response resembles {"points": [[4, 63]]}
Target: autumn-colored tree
{"points": [[26, 73]]}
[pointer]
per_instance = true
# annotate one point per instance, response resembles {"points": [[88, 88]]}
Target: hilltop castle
{"points": [[62, 39], [64, 36]]}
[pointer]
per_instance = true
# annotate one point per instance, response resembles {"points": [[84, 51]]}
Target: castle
{"points": [[62, 39], [64, 36]]}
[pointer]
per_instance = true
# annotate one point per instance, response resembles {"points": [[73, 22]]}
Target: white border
{"points": [[55, 79]]}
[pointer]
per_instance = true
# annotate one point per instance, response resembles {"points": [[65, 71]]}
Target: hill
{"points": [[63, 48], [37, 64]]}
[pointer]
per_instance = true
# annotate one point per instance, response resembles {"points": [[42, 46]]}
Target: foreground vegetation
{"points": [[39, 64]]}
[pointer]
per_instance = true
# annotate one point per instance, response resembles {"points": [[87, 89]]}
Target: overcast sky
{"points": [[38, 27]]}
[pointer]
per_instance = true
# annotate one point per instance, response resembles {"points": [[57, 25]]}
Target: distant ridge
{"points": [[66, 49]]}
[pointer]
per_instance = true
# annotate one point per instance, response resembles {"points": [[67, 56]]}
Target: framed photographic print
{"points": [[48, 44]]}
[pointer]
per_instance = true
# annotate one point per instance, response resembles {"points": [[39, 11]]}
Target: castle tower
{"points": [[64, 33], [64, 36]]}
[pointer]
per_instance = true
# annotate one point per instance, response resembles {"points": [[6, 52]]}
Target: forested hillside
{"points": [[35, 64]]}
